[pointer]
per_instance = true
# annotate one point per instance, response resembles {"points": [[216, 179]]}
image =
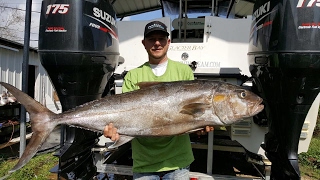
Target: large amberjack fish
{"points": [[156, 109]]}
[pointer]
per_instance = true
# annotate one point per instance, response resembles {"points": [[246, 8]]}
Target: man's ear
{"points": [[143, 42]]}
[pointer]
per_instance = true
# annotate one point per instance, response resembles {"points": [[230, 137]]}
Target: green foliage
{"points": [[308, 173], [312, 157], [310, 161], [38, 168], [316, 132]]}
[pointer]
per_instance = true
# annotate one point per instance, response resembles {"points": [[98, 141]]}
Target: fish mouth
{"points": [[258, 107]]}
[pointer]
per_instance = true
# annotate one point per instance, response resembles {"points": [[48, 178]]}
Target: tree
{"points": [[11, 22]]}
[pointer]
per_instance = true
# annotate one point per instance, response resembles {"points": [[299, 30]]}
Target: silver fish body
{"points": [[156, 109]]}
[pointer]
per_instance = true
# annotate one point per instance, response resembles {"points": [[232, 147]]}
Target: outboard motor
{"points": [[284, 57], [79, 48]]}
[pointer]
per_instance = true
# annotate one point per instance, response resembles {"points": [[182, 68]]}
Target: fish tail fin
{"points": [[41, 124], [37, 139]]}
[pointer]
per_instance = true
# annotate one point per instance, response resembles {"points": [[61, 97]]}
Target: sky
{"points": [[144, 16], [35, 17], [21, 5]]}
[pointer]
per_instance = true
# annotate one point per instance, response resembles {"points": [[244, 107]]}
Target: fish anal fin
{"points": [[194, 109], [122, 140]]}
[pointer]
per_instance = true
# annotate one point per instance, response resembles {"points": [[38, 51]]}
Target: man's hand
{"points": [[205, 131], [111, 132]]}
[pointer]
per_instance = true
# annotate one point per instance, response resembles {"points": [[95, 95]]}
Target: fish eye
{"points": [[243, 94]]}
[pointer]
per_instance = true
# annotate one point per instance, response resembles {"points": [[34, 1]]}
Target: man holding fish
{"points": [[157, 110], [161, 157]]}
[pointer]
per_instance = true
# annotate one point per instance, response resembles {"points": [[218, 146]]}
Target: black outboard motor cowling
{"points": [[79, 48], [284, 57]]}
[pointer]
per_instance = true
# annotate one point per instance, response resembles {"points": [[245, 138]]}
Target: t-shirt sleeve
{"points": [[128, 85], [189, 73]]}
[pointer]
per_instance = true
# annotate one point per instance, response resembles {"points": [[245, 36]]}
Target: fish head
{"points": [[233, 103]]}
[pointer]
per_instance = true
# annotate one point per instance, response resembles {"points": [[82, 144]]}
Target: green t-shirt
{"points": [[159, 153]]}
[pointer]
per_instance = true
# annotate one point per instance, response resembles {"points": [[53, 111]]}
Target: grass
{"points": [[310, 161], [38, 168]]}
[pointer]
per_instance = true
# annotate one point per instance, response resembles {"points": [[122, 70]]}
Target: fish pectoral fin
{"points": [[194, 109], [122, 140]]}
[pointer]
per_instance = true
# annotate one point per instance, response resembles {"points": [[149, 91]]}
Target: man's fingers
{"points": [[209, 128], [109, 130], [106, 131], [114, 136]]}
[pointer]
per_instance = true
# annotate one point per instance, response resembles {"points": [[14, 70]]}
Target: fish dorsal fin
{"points": [[194, 109], [143, 85]]}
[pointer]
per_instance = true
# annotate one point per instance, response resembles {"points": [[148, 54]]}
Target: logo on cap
{"points": [[155, 26]]}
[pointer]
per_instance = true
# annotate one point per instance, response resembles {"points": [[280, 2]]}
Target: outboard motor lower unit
{"points": [[78, 47], [284, 58]]}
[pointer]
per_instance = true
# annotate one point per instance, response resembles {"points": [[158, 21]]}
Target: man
{"points": [[161, 157]]}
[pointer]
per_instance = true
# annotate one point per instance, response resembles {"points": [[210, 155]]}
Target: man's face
{"points": [[157, 45]]}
